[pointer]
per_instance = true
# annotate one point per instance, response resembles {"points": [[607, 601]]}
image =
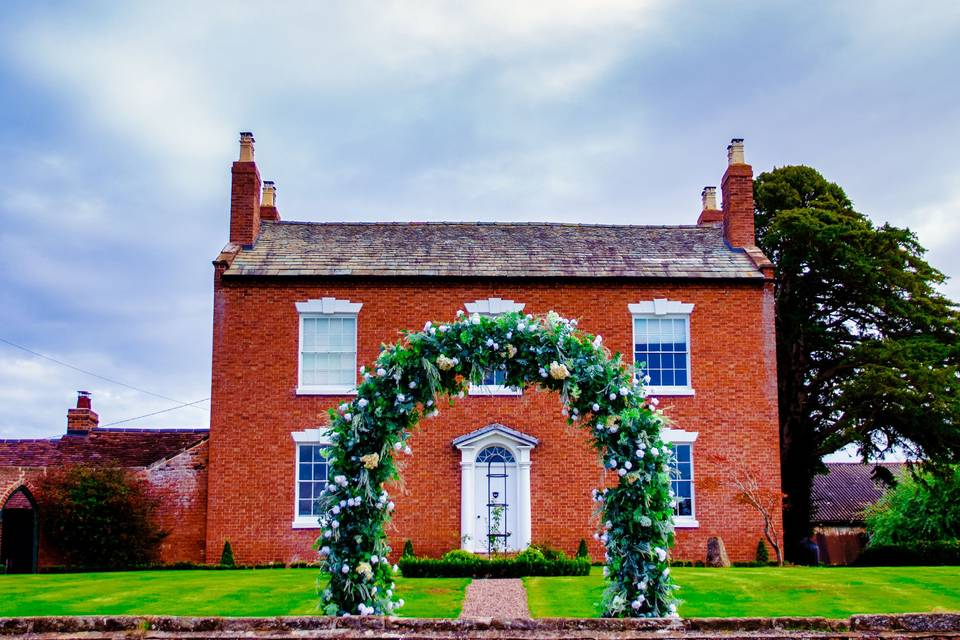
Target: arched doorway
{"points": [[19, 532]]}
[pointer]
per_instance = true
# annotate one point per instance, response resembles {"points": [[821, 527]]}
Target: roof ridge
{"points": [[483, 223]]}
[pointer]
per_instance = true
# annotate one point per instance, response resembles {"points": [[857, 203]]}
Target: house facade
{"points": [[300, 307]]}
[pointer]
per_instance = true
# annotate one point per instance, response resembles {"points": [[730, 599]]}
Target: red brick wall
{"points": [[181, 485], [255, 409]]}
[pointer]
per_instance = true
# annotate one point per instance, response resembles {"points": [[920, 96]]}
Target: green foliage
{"points": [[527, 563], [763, 556], [867, 348], [597, 391], [459, 554], [582, 550], [921, 508], [925, 553], [99, 516], [548, 552], [226, 556], [408, 549]]}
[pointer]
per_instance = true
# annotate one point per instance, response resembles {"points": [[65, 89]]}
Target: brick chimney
{"points": [[245, 195], [83, 419], [737, 187], [709, 213], [268, 202]]}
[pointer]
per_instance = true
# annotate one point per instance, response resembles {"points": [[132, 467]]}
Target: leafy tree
{"points": [[226, 556], [921, 508], [99, 516], [867, 348]]}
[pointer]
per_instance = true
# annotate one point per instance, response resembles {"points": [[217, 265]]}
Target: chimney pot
{"points": [[709, 198], [246, 146], [269, 198], [735, 151]]}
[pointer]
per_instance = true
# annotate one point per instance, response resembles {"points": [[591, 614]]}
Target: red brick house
{"points": [[173, 462], [299, 307]]}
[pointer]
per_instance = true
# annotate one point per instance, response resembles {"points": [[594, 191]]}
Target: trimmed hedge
{"points": [[944, 552], [497, 568], [179, 566]]}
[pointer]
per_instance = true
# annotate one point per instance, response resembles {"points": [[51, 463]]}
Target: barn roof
{"points": [[122, 447], [490, 249], [840, 495]]}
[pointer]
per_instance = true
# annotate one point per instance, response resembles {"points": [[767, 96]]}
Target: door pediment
{"points": [[495, 432]]}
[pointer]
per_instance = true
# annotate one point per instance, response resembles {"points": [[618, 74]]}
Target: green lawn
{"points": [[792, 591], [267, 592]]}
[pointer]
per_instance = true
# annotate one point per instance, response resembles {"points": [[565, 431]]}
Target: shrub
{"points": [[407, 549], [763, 556], [456, 555], [550, 553], [919, 508], [941, 552], [99, 516], [226, 556], [477, 567], [582, 551], [531, 554]]}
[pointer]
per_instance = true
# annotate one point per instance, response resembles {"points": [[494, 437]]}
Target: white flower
{"points": [[398, 445], [444, 328], [400, 602], [653, 401], [413, 384], [490, 342], [628, 465], [459, 312], [661, 554], [597, 342], [475, 319], [444, 363], [363, 368], [325, 550], [624, 391], [666, 572], [596, 536], [613, 463], [606, 572], [638, 453], [595, 407], [613, 428], [389, 593], [427, 326], [345, 569], [636, 604], [646, 379], [335, 524], [362, 402], [395, 570], [407, 450], [401, 397], [613, 396], [348, 417], [335, 510], [654, 452], [621, 472], [521, 326], [374, 559], [391, 506], [381, 372]]}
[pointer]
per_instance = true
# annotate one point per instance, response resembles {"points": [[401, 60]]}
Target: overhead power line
{"points": [[147, 415], [180, 403]]}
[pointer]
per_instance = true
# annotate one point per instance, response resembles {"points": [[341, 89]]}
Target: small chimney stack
{"points": [[737, 187], [83, 419], [268, 202], [709, 213], [245, 195]]}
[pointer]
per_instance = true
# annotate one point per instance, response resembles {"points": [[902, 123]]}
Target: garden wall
{"points": [[926, 626]]}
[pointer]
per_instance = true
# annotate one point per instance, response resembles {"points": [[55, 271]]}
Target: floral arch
{"points": [[598, 393]]}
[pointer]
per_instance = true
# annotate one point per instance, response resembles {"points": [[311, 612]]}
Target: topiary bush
{"points": [[582, 550], [99, 517], [531, 554], [456, 555], [408, 549], [226, 556], [763, 556], [550, 553]]}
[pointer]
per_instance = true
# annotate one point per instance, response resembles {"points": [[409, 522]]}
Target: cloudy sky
{"points": [[118, 123]]}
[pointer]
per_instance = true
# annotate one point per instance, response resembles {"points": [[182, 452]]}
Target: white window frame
{"points": [[493, 307], [663, 309], [327, 308], [307, 436], [679, 436]]}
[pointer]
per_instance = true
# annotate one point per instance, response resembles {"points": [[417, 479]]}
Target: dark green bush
{"points": [[944, 552], [407, 549], [226, 556], [582, 551], [763, 556], [99, 516], [477, 567], [456, 555], [925, 507], [550, 553]]}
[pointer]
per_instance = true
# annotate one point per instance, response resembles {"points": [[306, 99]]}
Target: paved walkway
{"points": [[496, 599]]}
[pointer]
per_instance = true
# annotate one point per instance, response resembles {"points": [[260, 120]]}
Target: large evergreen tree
{"points": [[867, 347]]}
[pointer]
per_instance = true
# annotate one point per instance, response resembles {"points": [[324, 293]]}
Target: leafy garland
{"points": [[598, 392]]}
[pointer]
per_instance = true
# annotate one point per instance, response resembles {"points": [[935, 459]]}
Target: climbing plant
{"points": [[598, 392]]}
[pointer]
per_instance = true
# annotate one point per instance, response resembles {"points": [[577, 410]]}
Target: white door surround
{"points": [[517, 445]]}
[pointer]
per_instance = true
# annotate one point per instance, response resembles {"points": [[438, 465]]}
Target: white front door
{"points": [[496, 501]]}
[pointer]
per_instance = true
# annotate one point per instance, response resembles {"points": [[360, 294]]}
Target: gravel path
{"points": [[496, 599]]}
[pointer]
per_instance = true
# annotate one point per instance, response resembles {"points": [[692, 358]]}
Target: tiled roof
{"points": [[491, 250], [840, 495], [123, 447]]}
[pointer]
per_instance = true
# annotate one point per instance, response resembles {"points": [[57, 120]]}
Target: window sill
{"points": [[305, 523], [685, 522], [494, 390], [343, 390], [670, 391]]}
